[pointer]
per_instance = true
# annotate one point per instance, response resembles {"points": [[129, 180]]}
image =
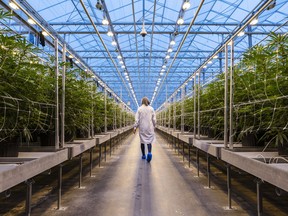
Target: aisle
{"points": [[129, 186]]}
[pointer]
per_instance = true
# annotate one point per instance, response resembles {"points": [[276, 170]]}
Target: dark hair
{"points": [[145, 101]]}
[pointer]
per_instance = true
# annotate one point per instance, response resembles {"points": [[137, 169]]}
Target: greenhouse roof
{"points": [[135, 66]]}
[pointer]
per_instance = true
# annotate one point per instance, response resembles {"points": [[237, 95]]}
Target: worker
{"points": [[145, 119]]}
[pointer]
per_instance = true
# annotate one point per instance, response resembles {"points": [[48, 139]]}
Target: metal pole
{"points": [[56, 95], [59, 186], [29, 183], [197, 161], [208, 170], [100, 151], [182, 108], [63, 97], [105, 111], [226, 98], [229, 185], [195, 108], [199, 88], [259, 198], [169, 116], [174, 113], [80, 170], [231, 95], [91, 161]]}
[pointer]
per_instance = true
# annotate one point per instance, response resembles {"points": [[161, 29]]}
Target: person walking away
{"points": [[145, 119]]}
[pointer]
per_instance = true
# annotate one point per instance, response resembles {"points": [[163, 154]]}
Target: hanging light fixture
{"points": [[254, 21], [169, 50], [121, 62], [210, 62], [186, 5], [164, 66], [44, 33], [13, 5], [105, 21], [167, 56], [180, 21], [31, 21], [241, 33], [215, 57], [123, 66], [114, 43], [172, 42], [119, 57], [110, 33], [204, 66]]}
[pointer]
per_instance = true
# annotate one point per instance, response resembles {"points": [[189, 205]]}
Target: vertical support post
{"points": [[226, 98], [197, 161], [100, 153], [110, 144], [92, 115], [229, 185], [59, 186], [91, 161], [231, 95], [63, 97], [56, 95], [29, 183], [174, 113], [249, 29], [183, 150], [80, 170], [195, 108], [105, 111], [182, 108], [189, 153], [208, 170], [169, 116], [259, 198], [198, 93], [105, 151]]}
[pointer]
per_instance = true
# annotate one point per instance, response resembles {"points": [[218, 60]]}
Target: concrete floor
{"points": [[128, 186]]}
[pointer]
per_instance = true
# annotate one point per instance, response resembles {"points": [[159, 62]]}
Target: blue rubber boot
{"points": [[143, 157], [149, 157]]}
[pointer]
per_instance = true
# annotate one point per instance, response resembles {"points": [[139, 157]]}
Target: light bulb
{"points": [[186, 5], [180, 21], [205, 66], [119, 57], [254, 21], [31, 21], [110, 33], [76, 62], [114, 43], [210, 62], [241, 33], [105, 21], [164, 66], [167, 56], [172, 42], [44, 33], [70, 56], [13, 5], [169, 50], [215, 57], [123, 66]]}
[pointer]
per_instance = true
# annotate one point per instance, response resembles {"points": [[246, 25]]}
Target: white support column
{"points": [[174, 113], [169, 115], [198, 93], [195, 108], [182, 108], [226, 98], [231, 95], [56, 95], [63, 97], [105, 111]]}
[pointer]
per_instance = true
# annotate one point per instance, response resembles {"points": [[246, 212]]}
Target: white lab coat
{"points": [[145, 119]]}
